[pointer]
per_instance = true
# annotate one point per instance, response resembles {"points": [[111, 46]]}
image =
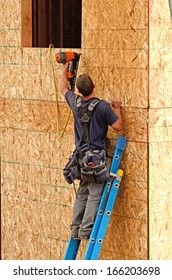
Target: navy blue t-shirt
{"points": [[100, 118]]}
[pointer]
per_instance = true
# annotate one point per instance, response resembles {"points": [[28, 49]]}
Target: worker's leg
{"points": [[95, 193], [79, 207]]}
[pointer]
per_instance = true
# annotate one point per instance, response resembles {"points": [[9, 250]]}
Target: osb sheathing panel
{"points": [[118, 68], [129, 218], [10, 28], [160, 200], [126, 227], [126, 15], [40, 248], [159, 14], [37, 202], [160, 133], [122, 83]]}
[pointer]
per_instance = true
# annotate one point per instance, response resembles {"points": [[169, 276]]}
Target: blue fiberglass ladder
{"points": [[104, 211]]}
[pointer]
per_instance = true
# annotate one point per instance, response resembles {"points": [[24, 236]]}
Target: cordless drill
{"points": [[73, 58]]}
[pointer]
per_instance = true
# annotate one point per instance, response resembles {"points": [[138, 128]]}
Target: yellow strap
{"points": [[56, 97]]}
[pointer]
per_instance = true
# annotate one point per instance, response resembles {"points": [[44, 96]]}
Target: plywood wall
{"points": [[160, 157], [115, 42], [36, 201]]}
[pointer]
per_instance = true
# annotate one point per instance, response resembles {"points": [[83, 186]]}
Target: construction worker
{"points": [[88, 193]]}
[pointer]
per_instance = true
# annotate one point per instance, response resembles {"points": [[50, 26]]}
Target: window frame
{"points": [[37, 28]]}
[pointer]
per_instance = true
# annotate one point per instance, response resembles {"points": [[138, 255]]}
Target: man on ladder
{"points": [[92, 117]]}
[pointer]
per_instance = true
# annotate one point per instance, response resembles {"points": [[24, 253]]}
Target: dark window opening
{"points": [[56, 22]]}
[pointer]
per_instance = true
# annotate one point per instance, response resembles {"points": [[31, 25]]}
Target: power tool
{"points": [[73, 58]]}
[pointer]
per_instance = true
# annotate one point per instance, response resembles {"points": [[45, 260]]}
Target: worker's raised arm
{"points": [[116, 105], [63, 80]]}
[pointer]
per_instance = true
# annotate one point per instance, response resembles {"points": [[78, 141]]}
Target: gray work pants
{"points": [[85, 208]]}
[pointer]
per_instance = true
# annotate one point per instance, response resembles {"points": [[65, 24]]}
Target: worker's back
{"points": [[100, 118]]}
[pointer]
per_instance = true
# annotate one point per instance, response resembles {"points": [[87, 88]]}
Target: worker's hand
{"points": [[116, 103], [65, 66]]}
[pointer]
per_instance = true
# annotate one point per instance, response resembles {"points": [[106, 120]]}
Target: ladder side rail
{"points": [[113, 169], [97, 222], [116, 159], [105, 220], [118, 152], [72, 249]]}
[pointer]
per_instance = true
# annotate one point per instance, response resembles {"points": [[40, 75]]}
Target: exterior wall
{"points": [[160, 127], [115, 41], [36, 201]]}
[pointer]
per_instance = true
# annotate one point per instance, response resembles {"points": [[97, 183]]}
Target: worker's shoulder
{"points": [[69, 92], [103, 108], [70, 95], [103, 104]]}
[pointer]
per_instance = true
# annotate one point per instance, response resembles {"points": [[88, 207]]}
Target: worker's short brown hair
{"points": [[84, 84]]}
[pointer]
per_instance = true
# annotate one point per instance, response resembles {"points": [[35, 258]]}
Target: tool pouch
{"points": [[94, 167], [72, 171]]}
